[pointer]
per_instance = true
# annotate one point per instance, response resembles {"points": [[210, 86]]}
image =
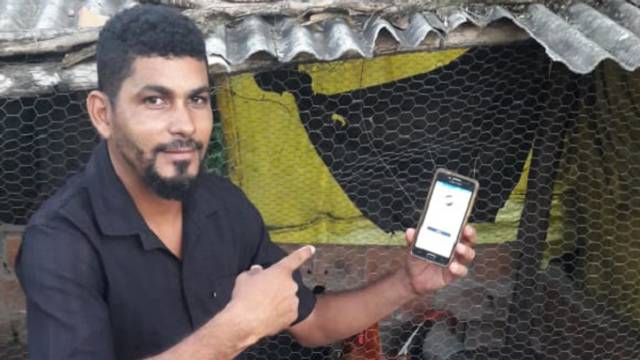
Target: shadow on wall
{"points": [[476, 115]]}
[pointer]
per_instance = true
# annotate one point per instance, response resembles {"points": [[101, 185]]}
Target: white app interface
{"points": [[445, 215]]}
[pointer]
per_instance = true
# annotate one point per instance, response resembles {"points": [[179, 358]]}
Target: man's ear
{"points": [[100, 112]]}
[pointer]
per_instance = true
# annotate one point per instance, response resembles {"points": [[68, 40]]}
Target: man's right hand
{"points": [[265, 299]]}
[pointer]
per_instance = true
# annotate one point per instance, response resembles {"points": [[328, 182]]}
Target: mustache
{"points": [[179, 144]]}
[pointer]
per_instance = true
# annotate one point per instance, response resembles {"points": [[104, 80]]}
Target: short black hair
{"points": [[143, 31]]}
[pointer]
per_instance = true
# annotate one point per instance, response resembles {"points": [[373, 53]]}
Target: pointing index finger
{"points": [[294, 260]]}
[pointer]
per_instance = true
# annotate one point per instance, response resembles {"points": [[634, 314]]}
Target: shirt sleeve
{"points": [[67, 317], [269, 253]]}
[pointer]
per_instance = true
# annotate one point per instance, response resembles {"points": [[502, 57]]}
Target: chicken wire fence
{"points": [[342, 155]]}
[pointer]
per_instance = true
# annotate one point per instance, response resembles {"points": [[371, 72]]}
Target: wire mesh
{"points": [[342, 154]]}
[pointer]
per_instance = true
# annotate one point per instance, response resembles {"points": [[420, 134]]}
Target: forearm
{"points": [[222, 337], [338, 316]]}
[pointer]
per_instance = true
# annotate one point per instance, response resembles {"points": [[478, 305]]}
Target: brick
{"points": [[13, 339], [12, 242], [343, 267], [13, 331], [7, 336], [492, 262], [11, 295], [12, 300], [382, 260], [340, 268], [12, 312], [335, 267]]}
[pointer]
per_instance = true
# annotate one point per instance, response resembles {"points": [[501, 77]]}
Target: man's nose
{"points": [[182, 122]]}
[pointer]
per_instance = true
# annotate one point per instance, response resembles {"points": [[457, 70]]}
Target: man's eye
{"points": [[199, 100], [154, 100]]}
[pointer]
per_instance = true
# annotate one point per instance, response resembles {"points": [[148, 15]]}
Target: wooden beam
{"points": [[241, 8], [45, 41], [29, 79], [33, 79]]}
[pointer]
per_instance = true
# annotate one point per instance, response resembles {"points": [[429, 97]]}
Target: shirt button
{"points": [[214, 294]]}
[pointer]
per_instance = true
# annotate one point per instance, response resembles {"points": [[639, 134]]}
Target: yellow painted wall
{"points": [[271, 158]]}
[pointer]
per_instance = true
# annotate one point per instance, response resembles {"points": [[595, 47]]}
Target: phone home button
{"points": [[431, 256]]}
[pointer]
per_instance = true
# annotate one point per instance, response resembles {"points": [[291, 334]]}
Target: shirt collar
{"points": [[202, 201], [115, 211]]}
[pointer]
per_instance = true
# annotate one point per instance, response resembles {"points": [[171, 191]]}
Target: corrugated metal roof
{"points": [[23, 15], [575, 33]]}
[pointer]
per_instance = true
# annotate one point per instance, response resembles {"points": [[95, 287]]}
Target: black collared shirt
{"points": [[101, 285]]}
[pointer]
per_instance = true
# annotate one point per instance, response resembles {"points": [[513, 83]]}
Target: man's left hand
{"points": [[423, 276]]}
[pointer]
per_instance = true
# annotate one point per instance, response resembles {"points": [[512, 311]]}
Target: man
{"points": [[143, 254]]}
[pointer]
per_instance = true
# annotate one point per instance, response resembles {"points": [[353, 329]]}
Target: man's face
{"points": [[162, 122]]}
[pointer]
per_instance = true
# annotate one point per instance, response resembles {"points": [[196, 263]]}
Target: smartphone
{"points": [[449, 203]]}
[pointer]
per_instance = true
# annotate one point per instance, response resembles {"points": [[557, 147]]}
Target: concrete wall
{"points": [[12, 302]]}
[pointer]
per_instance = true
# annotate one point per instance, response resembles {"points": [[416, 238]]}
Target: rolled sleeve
{"points": [[67, 316]]}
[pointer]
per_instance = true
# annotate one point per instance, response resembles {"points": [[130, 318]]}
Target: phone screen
{"points": [[444, 218]]}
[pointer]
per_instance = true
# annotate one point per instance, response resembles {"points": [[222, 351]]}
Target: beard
{"points": [[176, 187]]}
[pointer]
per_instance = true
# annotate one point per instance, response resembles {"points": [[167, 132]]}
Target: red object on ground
{"points": [[364, 346]]}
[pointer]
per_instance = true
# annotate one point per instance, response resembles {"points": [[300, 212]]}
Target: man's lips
{"points": [[180, 154]]}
